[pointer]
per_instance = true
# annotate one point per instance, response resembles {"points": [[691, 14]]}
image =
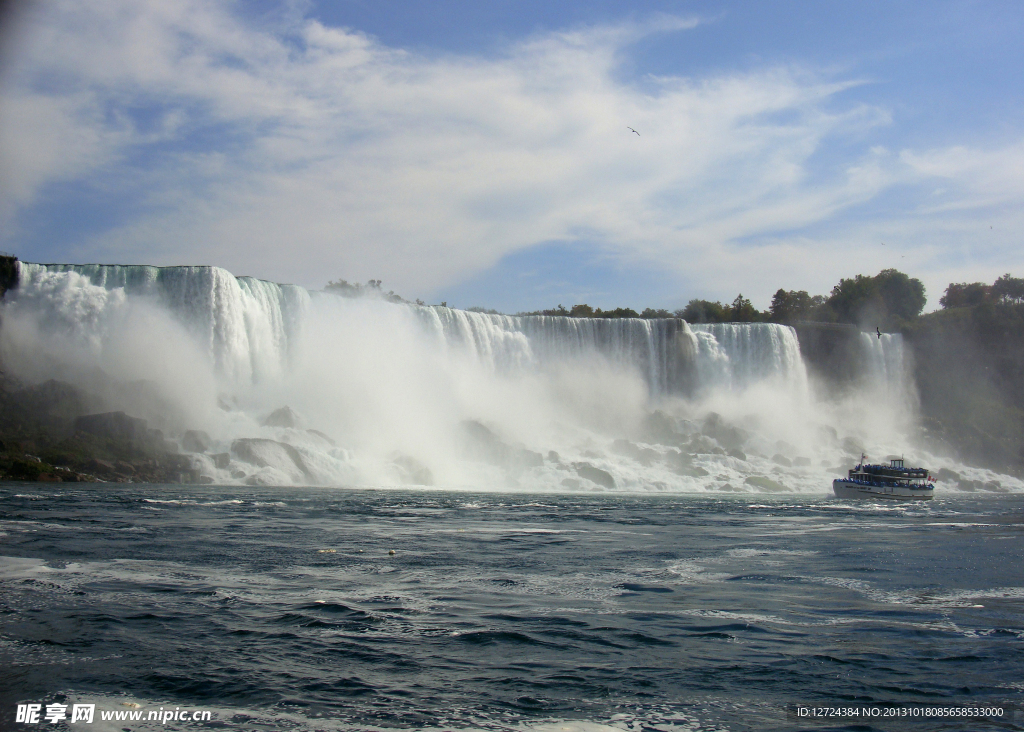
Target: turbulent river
{"points": [[284, 608]]}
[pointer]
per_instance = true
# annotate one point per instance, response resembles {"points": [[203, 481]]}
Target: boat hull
{"points": [[855, 489]]}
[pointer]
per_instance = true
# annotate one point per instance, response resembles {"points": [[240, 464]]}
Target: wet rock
{"points": [[480, 443], [283, 417], [177, 462], [643, 455], [101, 466], [270, 453], [677, 457], [947, 476], [596, 475], [412, 471], [785, 447], [221, 460], [554, 457], [322, 436], [660, 429], [966, 485], [119, 427], [782, 460], [124, 468], [693, 471], [524, 458], [195, 441], [765, 483], [738, 454], [702, 444], [681, 463], [853, 447], [725, 434], [571, 483], [54, 404]]}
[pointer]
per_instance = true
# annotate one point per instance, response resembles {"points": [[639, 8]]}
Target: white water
{"points": [[388, 388]]}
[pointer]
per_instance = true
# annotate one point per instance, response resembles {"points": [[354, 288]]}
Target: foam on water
{"points": [[501, 612], [384, 394]]}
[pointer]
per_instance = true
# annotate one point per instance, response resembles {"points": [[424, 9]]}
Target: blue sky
{"points": [[478, 153]]}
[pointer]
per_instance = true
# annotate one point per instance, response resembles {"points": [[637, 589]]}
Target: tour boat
{"points": [[893, 481]]}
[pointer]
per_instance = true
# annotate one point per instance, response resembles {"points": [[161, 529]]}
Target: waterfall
{"points": [[887, 368], [735, 355], [246, 326], [387, 393]]}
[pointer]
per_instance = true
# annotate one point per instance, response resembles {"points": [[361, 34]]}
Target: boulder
{"points": [[643, 455], [480, 443], [283, 417], [265, 453], [324, 437], [523, 458], [660, 429], [766, 484], [195, 441], [596, 475], [412, 471], [725, 434], [113, 426]]}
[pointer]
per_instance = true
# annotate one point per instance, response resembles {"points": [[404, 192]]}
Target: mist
{"points": [[294, 387]]}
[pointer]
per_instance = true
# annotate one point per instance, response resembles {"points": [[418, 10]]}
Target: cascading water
{"points": [[886, 367], [389, 394]]}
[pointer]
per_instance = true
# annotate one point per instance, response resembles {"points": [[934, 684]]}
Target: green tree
{"points": [[616, 313], [789, 306], [903, 296], [652, 313], [582, 311], [703, 311], [889, 297], [963, 294], [1009, 289], [743, 311]]}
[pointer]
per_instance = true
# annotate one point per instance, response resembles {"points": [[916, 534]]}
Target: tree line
{"points": [[889, 299]]}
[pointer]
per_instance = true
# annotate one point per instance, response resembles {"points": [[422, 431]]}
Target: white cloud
{"points": [[334, 155]]}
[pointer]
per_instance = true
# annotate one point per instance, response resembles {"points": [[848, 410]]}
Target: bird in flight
{"points": [[632, 130]]}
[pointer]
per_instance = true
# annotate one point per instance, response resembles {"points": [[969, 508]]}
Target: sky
{"points": [[481, 154]]}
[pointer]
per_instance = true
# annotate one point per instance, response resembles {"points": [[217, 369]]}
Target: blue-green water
{"points": [[281, 609]]}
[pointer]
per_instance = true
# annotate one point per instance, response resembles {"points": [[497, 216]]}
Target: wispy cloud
{"points": [[303, 152]]}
